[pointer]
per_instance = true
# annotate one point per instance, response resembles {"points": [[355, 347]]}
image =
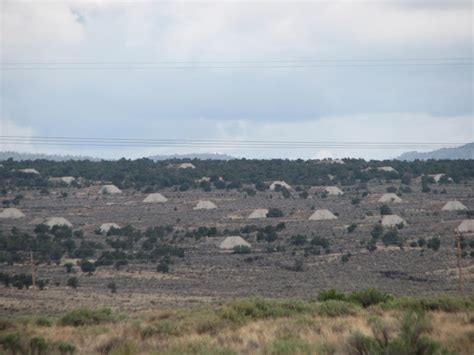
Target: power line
{"points": [[236, 64], [196, 143]]}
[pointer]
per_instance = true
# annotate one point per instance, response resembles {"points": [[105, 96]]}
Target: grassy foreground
{"points": [[365, 322]]}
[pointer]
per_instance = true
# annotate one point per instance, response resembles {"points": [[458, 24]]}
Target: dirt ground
{"points": [[207, 274]]}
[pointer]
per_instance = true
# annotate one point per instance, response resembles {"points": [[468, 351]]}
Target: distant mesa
{"points": [[58, 221], [11, 213], [322, 215], [454, 206], [205, 205], [259, 213], [191, 156], [390, 197], [106, 227], [466, 226], [392, 220], [155, 198], [109, 190], [275, 184], [464, 152], [230, 243]]}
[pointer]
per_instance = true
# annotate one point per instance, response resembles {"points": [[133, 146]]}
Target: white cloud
{"points": [[36, 25]]}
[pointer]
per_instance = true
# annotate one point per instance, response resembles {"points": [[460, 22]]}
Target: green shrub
{"points": [[369, 297], [241, 249], [86, 316], [43, 322], [38, 345], [385, 210], [275, 213], [72, 282], [289, 345], [351, 228], [331, 294], [163, 328], [334, 308], [439, 303], [243, 310], [65, 348], [360, 344], [12, 342]]}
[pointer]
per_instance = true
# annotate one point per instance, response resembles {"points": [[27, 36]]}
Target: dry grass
{"points": [[204, 330]]}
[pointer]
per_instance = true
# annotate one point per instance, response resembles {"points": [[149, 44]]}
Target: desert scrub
{"points": [[86, 316], [43, 322], [244, 310], [289, 345], [201, 347], [440, 303], [333, 308], [164, 328]]}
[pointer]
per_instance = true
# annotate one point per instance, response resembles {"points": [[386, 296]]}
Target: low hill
{"points": [[201, 156], [38, 156], [464, 152]]}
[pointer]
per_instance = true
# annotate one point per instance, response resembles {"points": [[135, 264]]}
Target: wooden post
{"points": [[33, 271], [458, 247], [33, 279]]}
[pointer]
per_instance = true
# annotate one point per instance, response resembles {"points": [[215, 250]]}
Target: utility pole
{"points": [[458, 253], [33, 279]]}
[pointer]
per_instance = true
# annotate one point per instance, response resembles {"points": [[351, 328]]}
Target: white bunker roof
{"points": [[66, 179], [186, 166], [110, 189], [390, 197], [155, 198], [11, 213], [333, 190], [392, 220], [258, 213], [454, 206], [281, 183], [322, 214], [58, 221], [104, 228], [29, 171], [466, 226], [387, 168], [232, 242], [205, 205]]}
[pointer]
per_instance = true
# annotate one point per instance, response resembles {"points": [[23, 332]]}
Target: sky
{"points": [[305, 102]]}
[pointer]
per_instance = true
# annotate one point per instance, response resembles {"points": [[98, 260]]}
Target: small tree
{"points": [[351, 228], [377, 231], [163, 266], [68, 267], [385, 210], [241, 249], [72, 282], [112, 287], [87, 266], [275, 213]]}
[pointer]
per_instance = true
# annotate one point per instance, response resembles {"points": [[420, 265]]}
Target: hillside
{"points": [[464, 152]]}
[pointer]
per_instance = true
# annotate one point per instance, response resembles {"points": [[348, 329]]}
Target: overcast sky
{"points": [[422, 103]]}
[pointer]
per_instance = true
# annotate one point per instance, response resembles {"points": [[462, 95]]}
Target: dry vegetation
{"points": [[443, 325]]}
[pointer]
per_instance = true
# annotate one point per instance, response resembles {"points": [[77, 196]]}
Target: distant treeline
{"points": [[145, 173]]}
